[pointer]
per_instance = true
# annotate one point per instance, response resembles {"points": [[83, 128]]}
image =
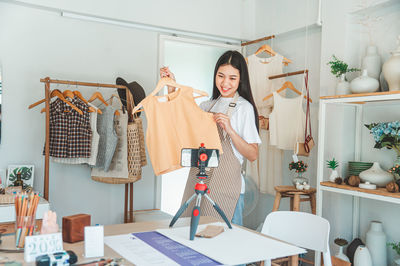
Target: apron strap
{"points": [[230, 109]]}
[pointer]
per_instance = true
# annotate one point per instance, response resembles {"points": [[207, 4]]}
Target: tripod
{"points": [[200, 189]]}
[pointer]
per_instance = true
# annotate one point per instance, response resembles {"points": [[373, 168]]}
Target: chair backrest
{"points": [[299, 228]]}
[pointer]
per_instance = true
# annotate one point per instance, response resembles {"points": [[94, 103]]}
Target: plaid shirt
{"points": [[70, 133]]}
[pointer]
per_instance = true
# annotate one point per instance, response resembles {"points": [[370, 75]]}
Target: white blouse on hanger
{"points": [[286, 122]]}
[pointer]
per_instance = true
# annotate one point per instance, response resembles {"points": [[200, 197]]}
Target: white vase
{"points": [[397, 262], [343, 87], [372, 62], [341, 255], [375, 175], [376, 244], [391, 69], [362, 257], [364, 83], [333, 176]]}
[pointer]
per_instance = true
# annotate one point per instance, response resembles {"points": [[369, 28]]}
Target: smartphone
{"points": [[190, 157]]}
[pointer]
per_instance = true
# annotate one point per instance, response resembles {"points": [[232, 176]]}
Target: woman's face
{"points": [[227, 80]]}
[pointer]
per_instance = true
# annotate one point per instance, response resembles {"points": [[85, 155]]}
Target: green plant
{"points": [[332, 164], [299, 166], [395, 246], [338, 67]]}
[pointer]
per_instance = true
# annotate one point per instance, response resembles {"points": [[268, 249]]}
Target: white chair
{"points": [[301, 229]]}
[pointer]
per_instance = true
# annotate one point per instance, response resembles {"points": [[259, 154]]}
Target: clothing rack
{"points": [[258, 40], [289, 74], [47, 81]]}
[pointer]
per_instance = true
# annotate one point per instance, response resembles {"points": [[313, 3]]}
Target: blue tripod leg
{"points": [[181, 210], [220, 212], [194, 221]]}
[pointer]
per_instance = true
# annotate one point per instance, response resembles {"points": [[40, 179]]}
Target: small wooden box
{"points": [[73, 227]]}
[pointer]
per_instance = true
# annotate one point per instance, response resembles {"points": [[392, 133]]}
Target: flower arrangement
{"points": [[332, 164], [299, 166], [395, 169], [338, 67], [386, 134]]}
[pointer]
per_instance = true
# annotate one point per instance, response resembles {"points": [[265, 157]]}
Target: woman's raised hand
{"points": [[165, 72]]}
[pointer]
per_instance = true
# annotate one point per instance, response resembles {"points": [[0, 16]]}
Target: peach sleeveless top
{"points": [[176, 123]]}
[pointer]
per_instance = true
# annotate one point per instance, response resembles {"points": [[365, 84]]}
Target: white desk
{"points": [[141, 227]]}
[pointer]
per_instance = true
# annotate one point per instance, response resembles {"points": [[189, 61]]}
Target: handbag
{"points": [[136, 149], [304, 148]]}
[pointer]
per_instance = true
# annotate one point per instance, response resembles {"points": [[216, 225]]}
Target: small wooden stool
{"points": [[295, 197]]}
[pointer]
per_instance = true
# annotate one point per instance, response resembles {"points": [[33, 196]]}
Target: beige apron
{"points": [[224, 182]]}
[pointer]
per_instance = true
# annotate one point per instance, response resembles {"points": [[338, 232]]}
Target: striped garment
{"points": [[70, 132], [224, 183]]}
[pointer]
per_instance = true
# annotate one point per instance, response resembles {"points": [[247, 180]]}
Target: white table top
{"points": [[119, 229]]}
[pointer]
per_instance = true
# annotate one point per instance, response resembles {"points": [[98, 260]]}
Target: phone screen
{"points": [[189, 157]]}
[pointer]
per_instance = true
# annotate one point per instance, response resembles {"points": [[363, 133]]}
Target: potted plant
{"points": [[396, 247], [339, 69], [300, 167], [333, 164]]}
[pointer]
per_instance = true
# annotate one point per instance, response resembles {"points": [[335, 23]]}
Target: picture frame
{"points": [[27, 175]]}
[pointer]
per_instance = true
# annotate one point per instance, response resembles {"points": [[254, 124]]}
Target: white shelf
{"points": [[361, 194], [377, 6], [7, 211], [362, 98]]}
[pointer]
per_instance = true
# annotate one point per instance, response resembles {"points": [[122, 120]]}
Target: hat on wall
{"points": [[136, 90]]}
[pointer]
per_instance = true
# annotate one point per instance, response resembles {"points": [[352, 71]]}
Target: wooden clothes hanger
{"points": [[56, 93], [120, 103], [268, 49], [168, 82], [97, 95], [286, 85], [91, 109]]}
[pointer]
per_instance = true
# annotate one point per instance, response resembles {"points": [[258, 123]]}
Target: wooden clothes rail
{"points": [[258, 40], [47, 81], [289, 74]]}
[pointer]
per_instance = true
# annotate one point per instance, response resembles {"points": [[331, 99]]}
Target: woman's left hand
{"points": [[224, 121]]}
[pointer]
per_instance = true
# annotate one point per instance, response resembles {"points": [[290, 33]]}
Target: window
{"points": [[192, 62]]}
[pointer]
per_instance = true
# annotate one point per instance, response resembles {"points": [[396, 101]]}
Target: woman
{"points": [[240, 141]]}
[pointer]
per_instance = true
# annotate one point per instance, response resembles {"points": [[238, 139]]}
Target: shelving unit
{"points": [[359, 102]]}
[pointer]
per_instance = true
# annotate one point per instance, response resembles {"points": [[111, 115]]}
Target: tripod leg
{"points": [[194, 221], [218, 209], [181, 210]]}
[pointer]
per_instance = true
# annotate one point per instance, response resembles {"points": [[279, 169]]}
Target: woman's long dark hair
{"points": [[235, 59]]}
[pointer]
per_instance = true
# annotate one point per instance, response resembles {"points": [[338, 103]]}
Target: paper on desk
{"points": [[136, 251], [234, 246]]}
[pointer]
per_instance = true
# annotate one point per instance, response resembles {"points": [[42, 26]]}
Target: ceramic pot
{"points": [[299, 179], [362, 257], [333, 176], [343, 87], [376, 243], [341, 255], [372, 62], [391, 69], [375, 175], [364, 83]]}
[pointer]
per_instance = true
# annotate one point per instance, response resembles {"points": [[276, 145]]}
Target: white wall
{"points": [[35, 43], [230, 18]]}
